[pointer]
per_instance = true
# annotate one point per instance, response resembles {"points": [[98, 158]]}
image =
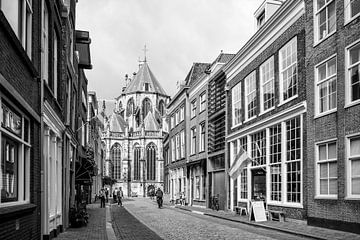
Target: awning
{"points": [[86, 167]]}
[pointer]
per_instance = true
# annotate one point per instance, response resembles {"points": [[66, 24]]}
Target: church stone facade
{"points": [[133, 135]]}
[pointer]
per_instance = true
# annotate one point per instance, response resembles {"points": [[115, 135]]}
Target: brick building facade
{"points": [[216, 131], [267, 113], [333, 116], [20, 179]]}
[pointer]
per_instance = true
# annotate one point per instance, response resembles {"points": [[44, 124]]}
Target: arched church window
{"points": [[162, 107], [146, 107], [130, 107], [137, 163], [115, 154], [150, 160]]}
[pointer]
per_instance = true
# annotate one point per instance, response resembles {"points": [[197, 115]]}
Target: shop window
{"points": [[15, 156]]}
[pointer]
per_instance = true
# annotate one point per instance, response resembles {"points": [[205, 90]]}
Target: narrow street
{"points": [[171, 223]]}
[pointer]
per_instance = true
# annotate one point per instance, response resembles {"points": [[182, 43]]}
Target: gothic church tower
{"points": [[134, 134]]}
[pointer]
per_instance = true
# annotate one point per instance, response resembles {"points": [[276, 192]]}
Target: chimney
{"points": [[265, 11]]}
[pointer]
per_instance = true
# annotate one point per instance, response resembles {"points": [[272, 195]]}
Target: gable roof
{"points": [[150, 122], [196, 71], [117, 123], [144, 75]]}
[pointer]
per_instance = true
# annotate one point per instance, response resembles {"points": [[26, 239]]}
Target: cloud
{"points": [[177, 33]]}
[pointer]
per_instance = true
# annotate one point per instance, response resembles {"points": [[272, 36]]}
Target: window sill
{"points": [[15, 211], [248, 120], [348, 21], [352, 198], [287, 100], [326, 197], [267, 110], [351, 104], [325, 113], [316, 43], [235, 126], [286, 204]]}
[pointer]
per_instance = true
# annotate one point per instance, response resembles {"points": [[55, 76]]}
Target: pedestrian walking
{"points": [[120, 195], [159, 197], [102, 198], [114, 195], [107, 195]]}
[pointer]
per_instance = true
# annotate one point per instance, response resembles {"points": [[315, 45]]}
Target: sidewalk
{"points": [[299, 228], [95, 229]]}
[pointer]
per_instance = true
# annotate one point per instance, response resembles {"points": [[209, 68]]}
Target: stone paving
{"points": [[141, 219], [295, 227], [126, 226], [171, 223], [95, 229]]}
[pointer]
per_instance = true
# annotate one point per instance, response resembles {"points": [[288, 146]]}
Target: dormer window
{"points": [[261, 19], [265, 11], [146, 86]]}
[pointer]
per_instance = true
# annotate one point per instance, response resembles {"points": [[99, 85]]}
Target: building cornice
{"points": [[282, 19]]}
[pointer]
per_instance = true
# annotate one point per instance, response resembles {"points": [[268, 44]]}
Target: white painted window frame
{"points": [[264, 82], [282, 69], [202, 137], [349, 159], [318, 195], [317, 86], [347, 12], [202, 101], [182, 113], [348, 102], [317, 39], [236, 101], [249, 82], [193, 108], [182, 144]]}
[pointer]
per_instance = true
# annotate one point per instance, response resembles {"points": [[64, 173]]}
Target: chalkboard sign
{"points": [[257, 211]]}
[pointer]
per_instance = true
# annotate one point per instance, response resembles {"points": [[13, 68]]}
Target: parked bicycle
{"points": [[215, 202]]}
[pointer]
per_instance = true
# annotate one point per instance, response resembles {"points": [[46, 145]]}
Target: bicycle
{"points": [[215, 203]]}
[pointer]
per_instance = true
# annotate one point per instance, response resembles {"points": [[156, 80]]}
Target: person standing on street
{"points": [[159, 197], [102, 198], [114, 195], [120, 195], [107, 195]]}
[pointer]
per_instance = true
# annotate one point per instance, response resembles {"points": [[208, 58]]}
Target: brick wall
{"points": [[334, 125], [23, 221], [297, 29]]}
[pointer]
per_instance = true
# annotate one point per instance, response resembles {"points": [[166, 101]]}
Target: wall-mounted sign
{"points": [[11, 120]]}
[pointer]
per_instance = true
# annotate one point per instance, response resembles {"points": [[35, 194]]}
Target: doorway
{"points": [[258, 184]]}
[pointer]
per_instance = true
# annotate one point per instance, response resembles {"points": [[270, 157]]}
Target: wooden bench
{"points": [[276, 216], [240, 210]]}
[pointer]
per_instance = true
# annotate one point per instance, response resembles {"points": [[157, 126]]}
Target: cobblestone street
{"points": [[170, 223]]}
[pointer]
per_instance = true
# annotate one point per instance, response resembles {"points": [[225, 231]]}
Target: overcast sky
{"points": [[176, 32]]}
